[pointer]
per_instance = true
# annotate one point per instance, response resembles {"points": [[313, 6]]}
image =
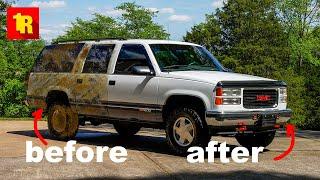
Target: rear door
{"points": [[131, 96], [92, 83]]}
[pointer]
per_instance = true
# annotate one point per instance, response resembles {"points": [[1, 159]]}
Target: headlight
{"points": [[283, 95], [231, 92], [228, 96], [283, 91]]}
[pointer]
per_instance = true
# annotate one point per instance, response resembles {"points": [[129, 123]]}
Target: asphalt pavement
{"points": [[149, 157]]}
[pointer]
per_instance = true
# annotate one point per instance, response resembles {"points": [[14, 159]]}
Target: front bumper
{"points": [[248, 118]]}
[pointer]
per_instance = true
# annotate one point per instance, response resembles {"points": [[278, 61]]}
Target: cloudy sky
{"points": [[177, 16]]}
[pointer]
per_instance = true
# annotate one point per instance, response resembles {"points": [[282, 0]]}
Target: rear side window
{"points": [[131, 55], [98, 59], [57, 58]]}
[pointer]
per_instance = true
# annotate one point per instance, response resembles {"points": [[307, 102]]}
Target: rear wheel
{"points": [[256, 140], [126, 129], [63, 123], [185, 129]]}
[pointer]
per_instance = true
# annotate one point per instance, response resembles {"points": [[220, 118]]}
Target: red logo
{"points": [[22, 23], [263, 98]]}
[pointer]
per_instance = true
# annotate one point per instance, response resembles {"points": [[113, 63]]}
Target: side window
{"points": [[98, 59], [131, 55], [57, 58]]}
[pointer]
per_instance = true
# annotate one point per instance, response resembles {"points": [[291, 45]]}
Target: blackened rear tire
{"points": [[256, 140]]}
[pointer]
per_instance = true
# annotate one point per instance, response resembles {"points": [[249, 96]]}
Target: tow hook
{"points": [[241, 127]]}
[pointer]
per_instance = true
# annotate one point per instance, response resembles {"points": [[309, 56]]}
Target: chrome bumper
{"points": [[220, 119]]}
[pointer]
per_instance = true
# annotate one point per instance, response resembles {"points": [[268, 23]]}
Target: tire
{"points": [[177, 134], [126, 129], [256, 140], [63, 123]]}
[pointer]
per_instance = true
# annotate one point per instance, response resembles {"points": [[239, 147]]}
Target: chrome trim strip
{"points": [[143, 107], [233, 118]]}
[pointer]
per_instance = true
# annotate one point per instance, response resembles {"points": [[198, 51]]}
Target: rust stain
{"points": [[92, 89]]}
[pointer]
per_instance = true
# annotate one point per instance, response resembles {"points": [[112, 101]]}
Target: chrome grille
{"points": [[260, 98]]}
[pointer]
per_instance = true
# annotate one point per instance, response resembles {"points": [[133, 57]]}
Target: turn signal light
{"points": [[219, 101], [219, 91]]}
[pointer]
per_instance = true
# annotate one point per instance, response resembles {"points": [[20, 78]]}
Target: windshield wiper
{"points": [[174, 66]]}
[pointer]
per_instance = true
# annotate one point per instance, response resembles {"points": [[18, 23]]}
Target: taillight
{"points": [[227, 96]]}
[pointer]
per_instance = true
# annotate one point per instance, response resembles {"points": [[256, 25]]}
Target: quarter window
{"points": [[98, 59], [57, 58], [131, 55]]}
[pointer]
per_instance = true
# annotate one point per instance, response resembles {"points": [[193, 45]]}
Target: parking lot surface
{"points": [[149, 157]]}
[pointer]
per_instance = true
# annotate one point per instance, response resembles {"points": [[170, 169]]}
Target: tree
{"points": [[246, 35], [206, 33], [16, 61], [135, 22], [301, 19]]}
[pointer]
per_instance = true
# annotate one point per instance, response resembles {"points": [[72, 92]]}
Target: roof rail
{"points": [[79, 40]]}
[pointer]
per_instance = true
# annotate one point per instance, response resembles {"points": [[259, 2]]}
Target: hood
{"points": [[214, 77]]}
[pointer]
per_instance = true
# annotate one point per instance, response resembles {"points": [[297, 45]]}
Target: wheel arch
{"points": [[57, 96], [184, 99]]}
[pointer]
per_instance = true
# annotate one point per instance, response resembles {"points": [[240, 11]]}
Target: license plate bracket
{"points": [[267, 120]]}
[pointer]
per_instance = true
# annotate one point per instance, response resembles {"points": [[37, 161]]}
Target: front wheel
{"points": [[256, 140], [184, 129]]}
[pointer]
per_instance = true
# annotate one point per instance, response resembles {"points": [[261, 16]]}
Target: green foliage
{"points": [[3, 67], [271, 39], [207, 34], [296, 94], [16, 61], [299, 19], [135, 22], [312, 92], [12, 96]]}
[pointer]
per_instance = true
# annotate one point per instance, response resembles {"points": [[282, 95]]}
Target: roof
{"points": [[146, 41]]}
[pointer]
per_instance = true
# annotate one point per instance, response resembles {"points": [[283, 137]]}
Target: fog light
{"points": [[231, 101]]}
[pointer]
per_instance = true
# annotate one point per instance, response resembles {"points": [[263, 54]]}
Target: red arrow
{"points": [[37, 116], [290, 132]]}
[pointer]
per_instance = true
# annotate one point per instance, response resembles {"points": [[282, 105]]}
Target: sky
{"points": [[176, 16]]}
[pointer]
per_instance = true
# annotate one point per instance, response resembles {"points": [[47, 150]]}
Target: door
{"points": [[92, 83], [131, 96]]}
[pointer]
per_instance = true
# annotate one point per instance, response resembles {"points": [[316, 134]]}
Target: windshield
{"points": [[177, 57]]}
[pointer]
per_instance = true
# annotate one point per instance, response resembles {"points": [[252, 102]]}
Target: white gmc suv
{"points": [[177, 86]]}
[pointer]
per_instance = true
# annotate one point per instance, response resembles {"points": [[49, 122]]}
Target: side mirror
{"points": [[142, 70]]}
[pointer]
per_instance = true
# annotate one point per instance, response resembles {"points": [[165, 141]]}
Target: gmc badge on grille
{"points": [[263, 98]]}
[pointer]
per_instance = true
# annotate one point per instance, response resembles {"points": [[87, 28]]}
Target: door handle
{"points": [[79, 81], [112, 82]]}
